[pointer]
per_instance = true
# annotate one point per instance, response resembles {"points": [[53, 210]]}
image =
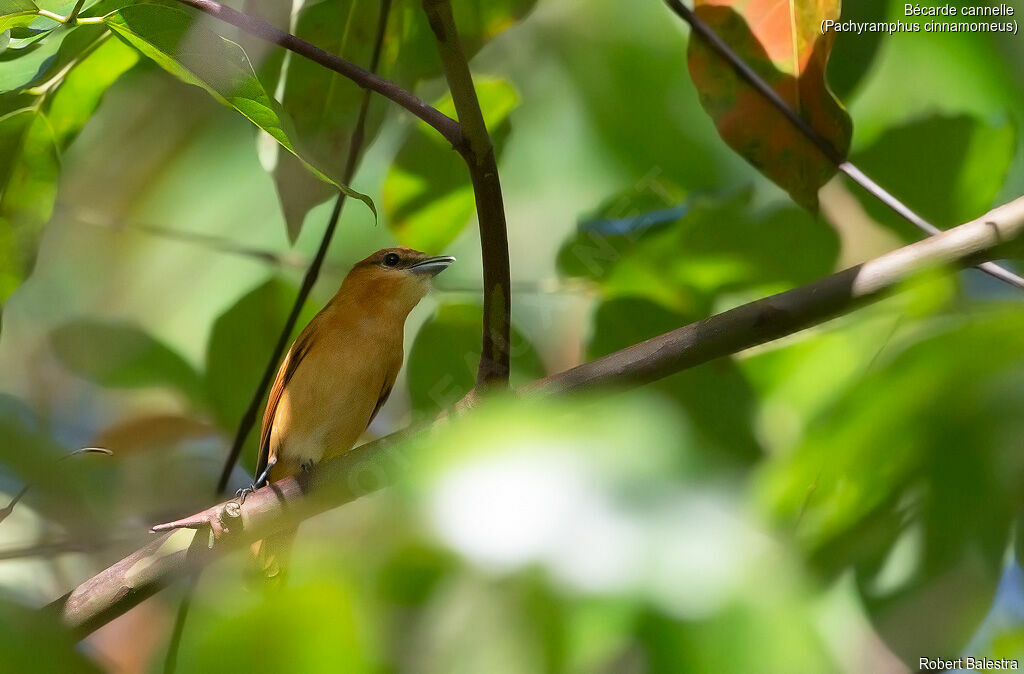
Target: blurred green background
{"points": [[844, 500]]}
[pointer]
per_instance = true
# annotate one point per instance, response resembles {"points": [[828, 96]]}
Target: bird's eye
{"points": [[391, 259]]}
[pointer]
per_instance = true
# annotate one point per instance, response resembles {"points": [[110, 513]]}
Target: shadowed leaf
{"points": [[118, 355]]}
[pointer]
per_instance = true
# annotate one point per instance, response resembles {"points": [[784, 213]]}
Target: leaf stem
{"points": [[748, 74]]}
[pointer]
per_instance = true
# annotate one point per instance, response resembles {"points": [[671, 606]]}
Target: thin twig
{"points": [[483, 170], [351, 162], [371, 466], [722, 48], [444, 125], [9, 508]]}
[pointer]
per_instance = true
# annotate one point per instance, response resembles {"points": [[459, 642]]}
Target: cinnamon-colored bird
{"points": [[339, 372]]}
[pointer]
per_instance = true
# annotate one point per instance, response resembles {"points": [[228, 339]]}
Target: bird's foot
{"points": [[307, 466], [243, 492]]}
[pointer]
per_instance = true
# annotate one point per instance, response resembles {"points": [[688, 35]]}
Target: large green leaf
{"points": [[445, 354], [948, 169], [15, 13], [325, 106], [911, 477], [428, 198], [29, 167], [199, 56], [30, 143], [784, 44], [119, 355], [240, 345]]}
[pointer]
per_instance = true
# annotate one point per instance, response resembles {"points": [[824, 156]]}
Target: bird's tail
{"points": [[270, 558]]}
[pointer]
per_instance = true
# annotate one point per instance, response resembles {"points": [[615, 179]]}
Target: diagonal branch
{"points": [[374, 465], [444, 125], [745, 72], [483, 169]]}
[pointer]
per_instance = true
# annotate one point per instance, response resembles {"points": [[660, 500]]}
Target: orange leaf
{"points": [[782, 42]]}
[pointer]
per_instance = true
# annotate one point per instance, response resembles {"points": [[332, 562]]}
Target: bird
{"points": [[337, 374]]}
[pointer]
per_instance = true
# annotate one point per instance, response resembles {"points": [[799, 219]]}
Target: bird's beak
{"points": [[432, 266]]}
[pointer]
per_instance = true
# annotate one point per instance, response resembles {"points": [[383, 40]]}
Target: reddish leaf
{"points": [[781, 40]]}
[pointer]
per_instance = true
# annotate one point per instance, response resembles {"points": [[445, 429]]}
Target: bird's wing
{"points": [[385, 391], [289, 365]]}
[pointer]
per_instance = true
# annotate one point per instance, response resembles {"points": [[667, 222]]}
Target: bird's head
{"points": [[395, 277]]}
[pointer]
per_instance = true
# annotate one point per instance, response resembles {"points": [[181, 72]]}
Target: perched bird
{"points": [[338, 373]]}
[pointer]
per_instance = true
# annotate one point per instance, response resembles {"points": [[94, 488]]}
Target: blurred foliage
{"points": [[775, 511], [948, 182], [445, 355]]}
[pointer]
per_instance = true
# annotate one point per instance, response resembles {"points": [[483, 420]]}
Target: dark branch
{"points": [[748, 74], [483, 170], [374, 465], [444, 125]]}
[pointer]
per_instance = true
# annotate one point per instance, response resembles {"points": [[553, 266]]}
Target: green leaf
{"points": [[241, 342], [119, 355], [428, 198], [199, 56], [36, 641], [716, 245], [29, 167], [323, 104], [911, 477], [15, 13], [783, 43], [717, 397], [857, 51], [20, 68], [445, 354], [30, 145], [948, 169]]}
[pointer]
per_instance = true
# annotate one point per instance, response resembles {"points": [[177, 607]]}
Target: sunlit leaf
{"points": [[119, 355], [14, 13], [428, 198], [783, 43], [446, 352], [323, 104], [199, 56], [948, 169], [29, 166]]}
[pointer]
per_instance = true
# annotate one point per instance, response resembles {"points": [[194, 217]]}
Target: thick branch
{"points": [[444, 125], [483, 169], [372, 466], [750, 76]]}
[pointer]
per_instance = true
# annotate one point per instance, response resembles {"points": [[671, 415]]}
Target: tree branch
{"points": [[746, 73], [444, 125], [374, 465], [483, 170]]}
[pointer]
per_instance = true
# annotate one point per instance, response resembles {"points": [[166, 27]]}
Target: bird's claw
{"points": [[242, 493]]}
